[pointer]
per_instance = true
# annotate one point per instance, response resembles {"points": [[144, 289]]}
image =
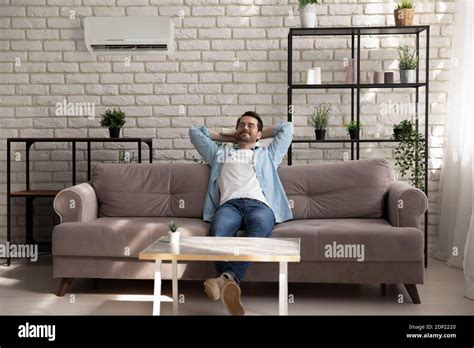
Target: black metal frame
{"points": [[356, 33], [31, 195]]}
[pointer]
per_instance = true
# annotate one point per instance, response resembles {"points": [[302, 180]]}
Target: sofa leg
{"points": [[413, 292], [64, 286], [383, 287], [95, 283]]}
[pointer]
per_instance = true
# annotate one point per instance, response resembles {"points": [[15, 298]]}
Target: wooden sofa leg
{"points": [[413, 292], [383, 287], [64, 286]]}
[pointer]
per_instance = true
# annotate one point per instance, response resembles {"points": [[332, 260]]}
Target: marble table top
{"points": [[225, 249]]}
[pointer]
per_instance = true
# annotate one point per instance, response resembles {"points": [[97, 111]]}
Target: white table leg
{"points": [[283, 288], [175, 286], [157, 289]]}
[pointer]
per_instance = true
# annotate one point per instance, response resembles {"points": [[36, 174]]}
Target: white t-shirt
{"points": [[238, 178]]}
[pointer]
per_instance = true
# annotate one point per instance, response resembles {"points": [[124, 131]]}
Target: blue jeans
{"points": [[255, 217]]}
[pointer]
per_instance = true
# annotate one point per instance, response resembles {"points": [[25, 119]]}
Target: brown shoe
{"points": [[213, 287], [231, 298]]}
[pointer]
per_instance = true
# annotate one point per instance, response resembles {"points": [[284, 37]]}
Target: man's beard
{"points": [[246, 139]]}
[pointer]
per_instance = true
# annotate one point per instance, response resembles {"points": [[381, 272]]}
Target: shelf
{"points": [[54, 140], [30, 195], [345, 141], [35, 193], [385, 30], [355, 85], [353, 41]]}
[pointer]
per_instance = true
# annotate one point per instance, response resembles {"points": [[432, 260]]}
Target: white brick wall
{"points": [[231, 57]]}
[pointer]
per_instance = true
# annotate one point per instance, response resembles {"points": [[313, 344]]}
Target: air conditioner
{"points": [[128, 35]]}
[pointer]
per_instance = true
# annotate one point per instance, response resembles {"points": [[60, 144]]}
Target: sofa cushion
{"points": [[380, 240], [164, 189], [126, 237], [110, 237], [347, 189]]}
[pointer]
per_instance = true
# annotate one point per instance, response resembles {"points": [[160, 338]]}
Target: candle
{"points": [[313, 76], [379, 77]]}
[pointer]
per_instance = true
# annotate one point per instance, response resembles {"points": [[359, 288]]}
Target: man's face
{"points": [[247, 130]]}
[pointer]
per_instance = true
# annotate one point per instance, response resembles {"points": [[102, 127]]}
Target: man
{"points": [[244, 191]]}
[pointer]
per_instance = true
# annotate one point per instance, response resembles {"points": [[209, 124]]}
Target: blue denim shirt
{"points": [[267, 160]]}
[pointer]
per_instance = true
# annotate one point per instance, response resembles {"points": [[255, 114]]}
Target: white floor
{"points": [[28, 289]]}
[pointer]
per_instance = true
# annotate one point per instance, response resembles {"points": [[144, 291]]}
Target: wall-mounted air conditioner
{"points": [[128, 35]]}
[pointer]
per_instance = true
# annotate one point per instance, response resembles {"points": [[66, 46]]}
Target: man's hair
{"points": [[254, 115]]}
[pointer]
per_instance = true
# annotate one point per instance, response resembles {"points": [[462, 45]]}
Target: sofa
{"points": [[337, 207]]}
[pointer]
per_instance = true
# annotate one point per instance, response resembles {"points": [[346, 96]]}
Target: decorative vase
{"points": [[388, 77], [350, 71], [407, 76], [308, 16], [404, 16], [379, 77], [174, 237], [313, 76], [114, 132], [354, 134], [320, 134]]}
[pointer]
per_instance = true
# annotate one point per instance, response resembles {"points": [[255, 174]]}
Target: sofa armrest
{"points": [[406, 204], [76, 204]]}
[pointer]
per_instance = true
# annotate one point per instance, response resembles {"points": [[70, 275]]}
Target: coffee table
{"points": [[281, 250]]}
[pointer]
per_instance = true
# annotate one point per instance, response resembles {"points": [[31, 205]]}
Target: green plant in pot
{"points": [[307, 10], [113, 120], [173, 233], [353, 129], [404, 13], [125, 156], [410, 153], [408, 64], [401, 129], [320, 119]]}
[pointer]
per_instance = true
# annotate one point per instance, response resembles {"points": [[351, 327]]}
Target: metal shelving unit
{"points": [[30, 195], [355, 34]]}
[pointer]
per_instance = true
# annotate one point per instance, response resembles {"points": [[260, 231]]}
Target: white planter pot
{"points": [[308, 16], [407, 76], [174, 237]]}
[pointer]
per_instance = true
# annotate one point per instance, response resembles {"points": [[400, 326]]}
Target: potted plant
{"points": [[353, 129], [319, 120], [408, 64], [402, 129], [114, 121], [404, 13], [307, 10], [124, 156], [173, 233], [410, 153]]}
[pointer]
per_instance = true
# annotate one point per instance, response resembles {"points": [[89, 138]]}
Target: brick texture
{"points": [[231, 56]]}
